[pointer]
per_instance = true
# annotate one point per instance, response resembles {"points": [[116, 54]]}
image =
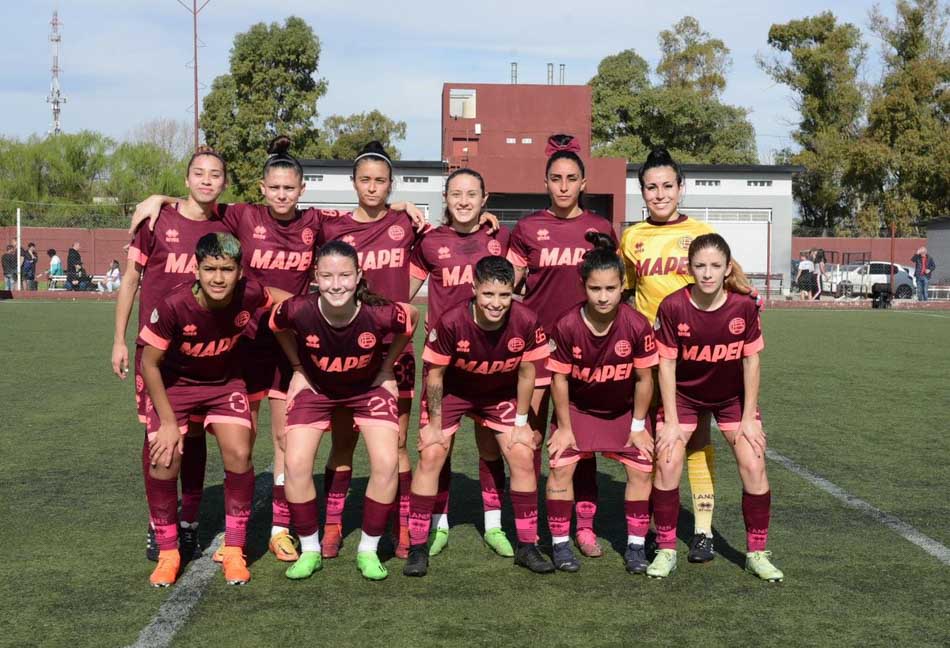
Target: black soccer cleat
{"points": [[530, 557], [564, 558], [635, 559], [188, 545], [701, 549], [151, 545], [417, 562]]}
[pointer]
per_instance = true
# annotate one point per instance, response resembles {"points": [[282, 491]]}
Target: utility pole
{"points": [[55, 97], [194, 10]]}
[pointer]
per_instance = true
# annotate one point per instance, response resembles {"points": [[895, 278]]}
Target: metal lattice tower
{"points": [[55, 97]]}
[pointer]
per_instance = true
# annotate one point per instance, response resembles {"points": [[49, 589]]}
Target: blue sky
{"points": [[125, 62]]}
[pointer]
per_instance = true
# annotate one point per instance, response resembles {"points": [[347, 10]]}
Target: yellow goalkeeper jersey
{"points": [[656, 261]]}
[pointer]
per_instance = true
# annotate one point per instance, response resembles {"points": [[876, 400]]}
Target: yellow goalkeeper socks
{"points": [[702, 485]]}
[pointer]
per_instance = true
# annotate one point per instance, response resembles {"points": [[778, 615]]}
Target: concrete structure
{"points": [[938, 246]]}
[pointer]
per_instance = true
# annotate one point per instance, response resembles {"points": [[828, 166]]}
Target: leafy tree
{"points": [[691, 58], [343, 137], [175, 136], [137, 170]]}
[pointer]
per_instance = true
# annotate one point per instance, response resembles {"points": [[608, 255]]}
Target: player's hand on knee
{"points": [[524, 435], [666, 440], [430, 436], [642, 441], [752, 432], [562, 439], [164, 443]]}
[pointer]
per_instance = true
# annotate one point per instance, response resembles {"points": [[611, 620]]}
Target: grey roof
{"points": [[397, 164], [734, 168]]}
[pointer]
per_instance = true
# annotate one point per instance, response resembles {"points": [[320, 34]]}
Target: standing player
{"points": [[447, 256], [709, 339], [602, 352], [546, 247], [191, 373], [335, 342], [162, 260], [481, 357]]}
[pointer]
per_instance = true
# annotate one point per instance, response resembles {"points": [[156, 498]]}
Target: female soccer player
{"points": [[446, 256], [191, 372], [546, 247], [162, 260], [709, 339], [343, 344], [654, 253], [602, 352], [481, 357]]}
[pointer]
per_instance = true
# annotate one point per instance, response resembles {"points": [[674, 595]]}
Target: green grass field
{"points": [[859, 398]]}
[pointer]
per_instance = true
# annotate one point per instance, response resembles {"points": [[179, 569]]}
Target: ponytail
{"points": [[279, 157]]}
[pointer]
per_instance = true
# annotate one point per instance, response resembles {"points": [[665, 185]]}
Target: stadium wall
{"points": [[97, 246], [878, 248]]}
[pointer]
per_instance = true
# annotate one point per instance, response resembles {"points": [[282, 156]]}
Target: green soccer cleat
{"points": [[308, 563], [498, 541], [758, 563], [438, 539], [663, 564], [370, 567]]}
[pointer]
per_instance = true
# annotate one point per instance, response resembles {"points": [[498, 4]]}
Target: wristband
{"points": [[521, 419], [638, 425]]}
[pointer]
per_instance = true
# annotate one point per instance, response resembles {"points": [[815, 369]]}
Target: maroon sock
{"points": [[375, 515], [420, 517], [192, 477], [336, 483], [146, 465], [637, 513], [405, 492], [163, 509], [666, 512], [559, 517], [537, 464], [305, 516], [585, 492], [280, 507], [442, 496], [756, 511], [491, 476], [238, 493], [525, 506]]}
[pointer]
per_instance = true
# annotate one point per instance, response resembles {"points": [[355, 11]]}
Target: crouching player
{"points": [[709, 339], [480, 356], [334, 341], [602, 352], [191, 373]]}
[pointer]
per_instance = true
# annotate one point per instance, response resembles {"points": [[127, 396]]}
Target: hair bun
{"points": [[659, 156], [601, 241], [376, 148], [280, 145]]}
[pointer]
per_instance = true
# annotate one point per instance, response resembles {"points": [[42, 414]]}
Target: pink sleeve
{"points": [[440, 344], [645, 353], [280, 316], [141, 246], [518, 252], [153, 339], [754, 342], [667, 343]]}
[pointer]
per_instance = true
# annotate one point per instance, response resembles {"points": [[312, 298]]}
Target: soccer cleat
{"points": [[166, 571], [370, 567], [417, 564], [188, 543], [151, 545], [700, 549], [308, 563], [663, 565], [402, 549], [587, 542], [332, 540], [438, 540], [758, 563], [498, 541], [529, 556], [234, 566], [635, 559], [564, 558], [284, 547]]}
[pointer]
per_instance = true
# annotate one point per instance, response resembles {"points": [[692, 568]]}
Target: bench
{"points": [[58, 282]]}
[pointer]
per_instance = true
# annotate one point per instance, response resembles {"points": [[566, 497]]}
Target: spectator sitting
{"points": [[74, 267], [9, 268], [113, 278], [55, 265], [80, 280]]}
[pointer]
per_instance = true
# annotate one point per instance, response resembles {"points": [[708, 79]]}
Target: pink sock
{"points": [[666, 512], [420, 517], [163, 509], [193, 463], [238, 493], [280, 508], [637, 513], [305, 516], [559, 517], [491, 476], [405, 492], [525, 506], [375, 515], [442, 496], [756, 511], [336, 483], [585, 492]]}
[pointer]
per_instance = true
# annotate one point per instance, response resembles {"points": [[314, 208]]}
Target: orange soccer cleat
{"points": [[234, 566], [332, 540], [166, 571]]}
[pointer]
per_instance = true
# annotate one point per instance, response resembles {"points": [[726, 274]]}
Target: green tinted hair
{"points": [[219, 245]]}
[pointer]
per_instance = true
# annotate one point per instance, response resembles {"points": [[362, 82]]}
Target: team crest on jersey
{"points": [[154, 317], [444, 252], [639, 247], [684, 242], [576, 352], [737, 326], [683, 330], [307, 236], [366, 340], [494, 247], [433, 336], [313, 341], [349, 239], [622, 348], [463, 346], [189, 330], [396, 232], [544, 235], [260, 232], [242, 318], [171, 236], [516, 345]]}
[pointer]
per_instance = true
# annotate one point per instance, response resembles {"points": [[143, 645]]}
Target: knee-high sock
{"points": [[666, 511], [403, 495], [637, 513], [420, 517], [756, 511], [585, 492], [238, 494], [375, 515], [525, 506], [700, 467], [193, 463], [163, 510], [280, 508], [445, 481], [336, 483], [559, 518], [305, 516], [491, 477]]}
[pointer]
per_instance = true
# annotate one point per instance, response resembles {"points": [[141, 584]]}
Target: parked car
{"points": [[857, 280]]}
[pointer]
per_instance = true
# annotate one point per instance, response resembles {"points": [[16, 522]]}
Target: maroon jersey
{"points": [[449, 258], [167, 255], [551, 248], [708, 345], [341, 362], [199, 342], [383, 247], [483, 365], [601, 368]]}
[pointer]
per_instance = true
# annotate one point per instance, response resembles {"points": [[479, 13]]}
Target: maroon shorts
{"points": [[143, 404], [542, 375], [728, 414], [265, 368], [405, 370], [495, 414], [605, 435], [207, 404], [309, 409]]}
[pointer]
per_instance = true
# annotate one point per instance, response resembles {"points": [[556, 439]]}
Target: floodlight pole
{"points": [[893, 234], [194, 11]]}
